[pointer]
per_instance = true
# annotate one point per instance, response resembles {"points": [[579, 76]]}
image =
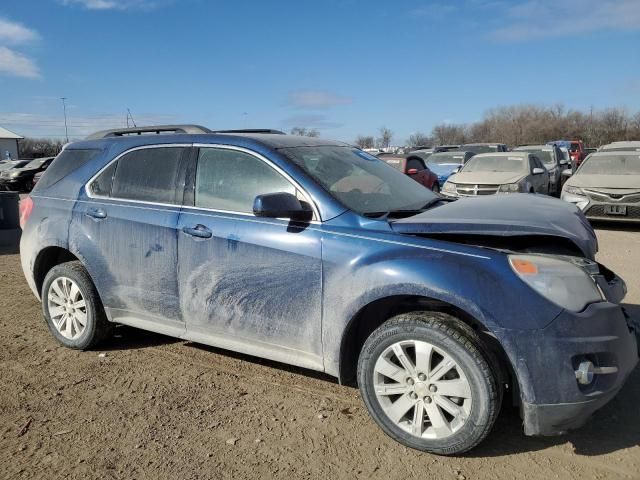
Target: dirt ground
{"points": [[151, 407]]}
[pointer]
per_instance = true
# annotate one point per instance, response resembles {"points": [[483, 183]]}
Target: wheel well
{"points": [[46, 260], [377, 312]]}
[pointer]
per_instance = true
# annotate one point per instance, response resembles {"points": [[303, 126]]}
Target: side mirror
{"points": [[567, 173], [537, 171], [281, 205], [412, 171], [563, 162]]}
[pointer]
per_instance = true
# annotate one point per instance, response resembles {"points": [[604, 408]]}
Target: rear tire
{"points": [[72, 307], [443, 397]]}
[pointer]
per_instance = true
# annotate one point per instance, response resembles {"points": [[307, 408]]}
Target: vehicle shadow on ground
{"points": [[128, 338], [264, 362], [9, 242], [615, 226]]}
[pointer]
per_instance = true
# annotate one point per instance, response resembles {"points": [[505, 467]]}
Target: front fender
{"points": [[483, 285]]}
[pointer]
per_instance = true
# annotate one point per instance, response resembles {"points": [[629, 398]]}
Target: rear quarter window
{"points": [[69, 160]]}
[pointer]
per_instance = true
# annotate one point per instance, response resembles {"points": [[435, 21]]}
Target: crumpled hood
{"points": [[631, 182], [505, 215], [487, 178], [443, 169]]}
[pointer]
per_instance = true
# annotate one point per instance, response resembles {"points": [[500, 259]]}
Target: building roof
{"points": [[4, 133]]}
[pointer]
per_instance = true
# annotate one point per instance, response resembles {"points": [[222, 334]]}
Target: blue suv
{"points": [[314, 253]]}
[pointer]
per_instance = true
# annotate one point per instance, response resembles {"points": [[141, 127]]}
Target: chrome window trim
{"points": [[309, 198], [89, 194]]}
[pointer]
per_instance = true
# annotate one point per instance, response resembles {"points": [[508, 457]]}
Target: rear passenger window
{"points": [[231, 180], [66, 162], [101, 186], [150, 175]]}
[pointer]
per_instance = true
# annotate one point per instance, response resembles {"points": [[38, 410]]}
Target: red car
{"points": [[416, 169], [577, 152]]}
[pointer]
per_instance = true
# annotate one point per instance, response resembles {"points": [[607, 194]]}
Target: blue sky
{"points": [[345, 67]]}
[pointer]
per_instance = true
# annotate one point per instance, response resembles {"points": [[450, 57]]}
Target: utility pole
{"points": [[129, 116], [64, 108]]}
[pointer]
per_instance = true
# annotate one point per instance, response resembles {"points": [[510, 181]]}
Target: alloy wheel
{"points": [[67, 308], [422, 389]]}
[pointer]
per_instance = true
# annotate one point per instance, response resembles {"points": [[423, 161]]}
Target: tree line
{"points": [[525, 124], [39, 147]]}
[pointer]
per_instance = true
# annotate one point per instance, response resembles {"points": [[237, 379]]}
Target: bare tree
{"points": [[305, 132], [39, 147], [419, 139], [447, 134], [384, 141], [363, 141]]}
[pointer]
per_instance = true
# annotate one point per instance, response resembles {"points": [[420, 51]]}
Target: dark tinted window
{"points": [[150, 175], [101, 186], [231, 180], [68, 161], [415, 163]]}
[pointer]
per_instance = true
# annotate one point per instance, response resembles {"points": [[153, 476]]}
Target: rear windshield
{"points": [[611, 165], [66, 162], [446, 157], [502, 163], [544, 154], [480, 148]]}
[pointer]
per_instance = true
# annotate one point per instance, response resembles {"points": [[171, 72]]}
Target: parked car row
{"points": [[22, 175]]}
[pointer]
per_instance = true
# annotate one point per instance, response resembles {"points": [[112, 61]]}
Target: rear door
{"points": [[126, 229], [248, 284]]}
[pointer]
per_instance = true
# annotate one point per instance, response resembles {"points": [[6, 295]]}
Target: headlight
{"points": [[449, 187], [559, 281], [573, 190], [15, 175], [510, 187]]}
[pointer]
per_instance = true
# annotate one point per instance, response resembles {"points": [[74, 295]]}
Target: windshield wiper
{"points": [[408, 212]]}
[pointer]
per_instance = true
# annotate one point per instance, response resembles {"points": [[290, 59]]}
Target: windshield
{"points": [[544, 154], [446, 157], [361, 182], [20, 164], [611, 165], [492, 163]]}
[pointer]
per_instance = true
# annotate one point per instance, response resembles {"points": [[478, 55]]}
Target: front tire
{"points": [[72, 307], [426, 380]]}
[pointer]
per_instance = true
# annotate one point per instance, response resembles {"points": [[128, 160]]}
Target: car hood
{"points": [[631, 182], [492, 178], [504, 215]]}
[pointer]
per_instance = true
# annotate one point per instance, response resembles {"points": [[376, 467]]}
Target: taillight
{"points": [[26, 207]]}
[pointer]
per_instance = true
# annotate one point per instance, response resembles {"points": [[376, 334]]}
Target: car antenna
{"points": [[129, 116]]}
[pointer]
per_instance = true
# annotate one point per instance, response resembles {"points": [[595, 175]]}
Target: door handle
{"points": [[97, 213], [199, 231]]}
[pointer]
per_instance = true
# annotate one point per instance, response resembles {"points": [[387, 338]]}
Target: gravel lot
{"points": [[149, 406]]}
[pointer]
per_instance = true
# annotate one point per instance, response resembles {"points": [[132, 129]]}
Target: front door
{"points": [[248, 284]]}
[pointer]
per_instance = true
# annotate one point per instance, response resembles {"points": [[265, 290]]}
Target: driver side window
{"points": [[230, 180]]}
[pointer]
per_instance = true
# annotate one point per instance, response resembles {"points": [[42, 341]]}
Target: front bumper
{"points": [[11, 184], [546, 360], [595, 209]]}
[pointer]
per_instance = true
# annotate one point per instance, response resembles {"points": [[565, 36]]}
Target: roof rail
{"points": [[252, 130], [153, 129]]}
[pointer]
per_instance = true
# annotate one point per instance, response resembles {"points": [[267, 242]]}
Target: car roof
{"points": [[502, 154], [271, 140], [605, 153], [485, 143], [630, 143], [541, 146]]}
